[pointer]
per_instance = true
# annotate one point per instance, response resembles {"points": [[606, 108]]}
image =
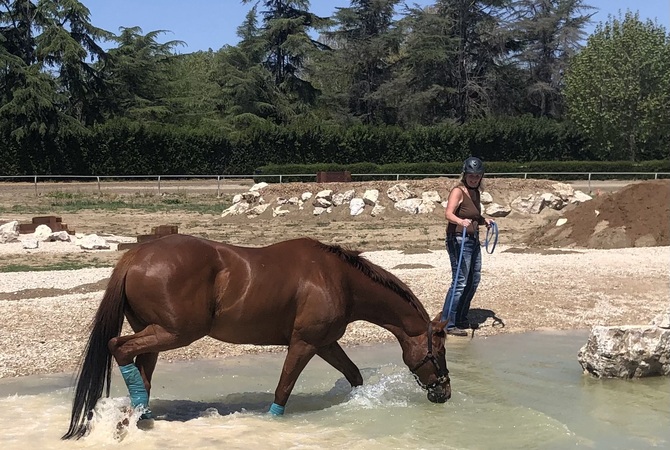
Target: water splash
{"points": [[114, 420]]}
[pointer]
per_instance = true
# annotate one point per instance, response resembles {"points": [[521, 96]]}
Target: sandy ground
{"points": [[46, 314]]}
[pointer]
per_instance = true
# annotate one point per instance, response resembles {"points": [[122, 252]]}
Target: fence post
{"points": [[590, 182], [99, 191], [159, 185], [35, 185], [218, 186], [280, 178]]}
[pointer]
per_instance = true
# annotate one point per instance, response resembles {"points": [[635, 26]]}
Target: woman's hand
{"points": [[465, 223], [489, 222]]}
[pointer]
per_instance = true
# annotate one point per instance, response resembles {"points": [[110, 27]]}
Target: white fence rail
{"points": [[100, 180]]}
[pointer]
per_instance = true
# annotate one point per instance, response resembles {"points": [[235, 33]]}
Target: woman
{"points": [[464, 211]]}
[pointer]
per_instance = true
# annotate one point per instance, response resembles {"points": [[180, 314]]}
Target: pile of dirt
{"points": [[636, 216]]}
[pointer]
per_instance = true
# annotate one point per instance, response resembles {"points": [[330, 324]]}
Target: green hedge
{"points": [[122, 147], [534, 169]]}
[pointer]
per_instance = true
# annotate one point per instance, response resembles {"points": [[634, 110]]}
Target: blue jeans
{"points": [[468, 279]]}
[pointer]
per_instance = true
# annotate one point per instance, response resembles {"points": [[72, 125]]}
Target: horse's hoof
{"points": [[145, 424]]}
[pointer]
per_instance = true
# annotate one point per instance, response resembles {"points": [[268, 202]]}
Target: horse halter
{"points": [[442, 372]]}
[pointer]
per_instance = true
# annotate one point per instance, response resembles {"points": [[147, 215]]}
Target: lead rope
{"points": [[491, 231], [455, 280]]}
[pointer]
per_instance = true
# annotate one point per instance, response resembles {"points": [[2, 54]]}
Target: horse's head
{"points": [[427, 361]]}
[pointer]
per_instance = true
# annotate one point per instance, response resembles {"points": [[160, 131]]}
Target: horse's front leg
{"points": [[334, 355], [299, 354]]}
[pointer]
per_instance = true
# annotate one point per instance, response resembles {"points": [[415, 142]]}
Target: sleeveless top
{"points": [[470, 208]]}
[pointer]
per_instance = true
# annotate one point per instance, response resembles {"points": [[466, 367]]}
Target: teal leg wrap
{"points": [[276, 410], [138, 394]]}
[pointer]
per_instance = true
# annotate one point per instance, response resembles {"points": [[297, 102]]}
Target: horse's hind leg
{"points": [[146, 363], [334, 355], [144, 345]]}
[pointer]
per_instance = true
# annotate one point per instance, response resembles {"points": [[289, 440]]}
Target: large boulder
{"points": [[93, 242], [631, 351], [399, 192], [9, 232]]}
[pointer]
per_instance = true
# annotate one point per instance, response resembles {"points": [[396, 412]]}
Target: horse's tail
{"points": [[96, 368]]}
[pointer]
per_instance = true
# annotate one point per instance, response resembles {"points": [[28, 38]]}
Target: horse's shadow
{"points": [[247, 402], [478, 316]]}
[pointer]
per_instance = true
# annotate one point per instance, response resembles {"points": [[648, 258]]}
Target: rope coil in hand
{"points": [[491, 232]]}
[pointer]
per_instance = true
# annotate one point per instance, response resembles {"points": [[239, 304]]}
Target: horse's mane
{"points": [[376, 273]]}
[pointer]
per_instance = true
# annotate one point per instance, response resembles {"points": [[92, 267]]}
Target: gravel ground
{"points": [[46, 315]]}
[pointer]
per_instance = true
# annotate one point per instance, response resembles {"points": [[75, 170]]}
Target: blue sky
{"points": [[204, 24]]}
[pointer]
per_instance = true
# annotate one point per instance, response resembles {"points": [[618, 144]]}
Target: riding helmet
{"points": [[473, 165]]}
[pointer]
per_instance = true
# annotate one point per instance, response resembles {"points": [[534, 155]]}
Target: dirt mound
{"points": [[636, 216]]}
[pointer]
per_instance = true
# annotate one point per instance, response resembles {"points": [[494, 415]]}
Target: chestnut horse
{"points": [[300, 293]]}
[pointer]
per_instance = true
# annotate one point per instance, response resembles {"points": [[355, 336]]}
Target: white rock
{"points": [[237, 198], [356, 206], [42, 233], [325, 194], [580, 197], [563, 191], [62, 236], [431, 196], [425, 207], [377, 210], [319, 210], [410, 205], [251, 196], [486, 198], [370, 197], [496, 210], [342, 198], [562, 221], [236, 209], [30, 244], [399, 192], [93, 242], [9, 232], [528, 204], [662, 320], [322, 202], [257, 210], [278, 212], [630, 351], [553, 201], [258, 186], [305, 196]]}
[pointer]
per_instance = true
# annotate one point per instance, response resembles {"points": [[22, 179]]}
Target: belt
{"points": [[457, 235]]}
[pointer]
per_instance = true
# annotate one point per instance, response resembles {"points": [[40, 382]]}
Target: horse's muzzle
{"points": [[439, 394]]}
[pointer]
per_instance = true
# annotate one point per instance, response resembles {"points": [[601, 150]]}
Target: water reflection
{"points": [[516, 391]]}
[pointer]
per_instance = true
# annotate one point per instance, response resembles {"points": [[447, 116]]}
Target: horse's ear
{"points": [[439, 325]]}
